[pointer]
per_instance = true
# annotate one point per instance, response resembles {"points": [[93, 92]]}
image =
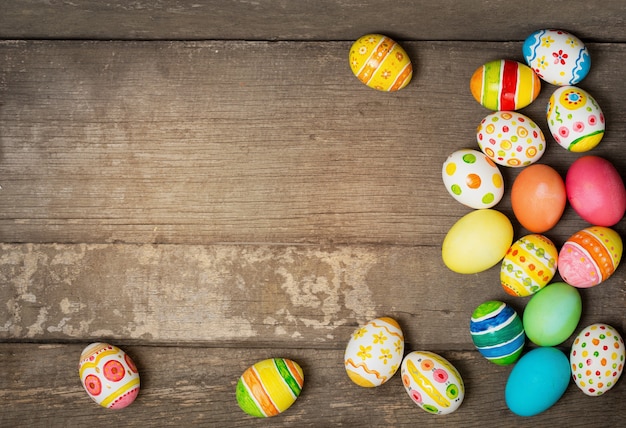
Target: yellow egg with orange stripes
{"points": [[374, 352], [432, 382], [269, 387], [529, 265], [109, 375], [380, 63]]}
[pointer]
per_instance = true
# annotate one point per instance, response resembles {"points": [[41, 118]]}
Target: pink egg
{"points": [[590, 256], [596, 191]]}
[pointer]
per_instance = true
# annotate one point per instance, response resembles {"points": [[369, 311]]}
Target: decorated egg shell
{"points": [[538, 197], [497, 332], [590, 256], [552, 314], [597, 359], [595, 190], [504, 84], [529, 265], [473, 179], [575, 119], [269, 387], [510, 139], [432, 382], [477, 241], [538, 380], [374, 352], [109, 375], [558, 57], [380, 63]]}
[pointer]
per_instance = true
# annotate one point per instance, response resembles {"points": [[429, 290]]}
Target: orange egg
{"points": [[538, 198]]}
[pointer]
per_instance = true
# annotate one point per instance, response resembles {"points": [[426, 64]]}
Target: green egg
{"points": [[552, 314]]}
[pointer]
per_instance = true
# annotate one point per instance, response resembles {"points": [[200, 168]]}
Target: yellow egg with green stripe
{"points": [[269, 387], [380, 63], [529, 265]]}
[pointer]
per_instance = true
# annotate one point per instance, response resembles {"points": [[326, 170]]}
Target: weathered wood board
{"points": [[164, 142], [501, 20], [238, 194], [195, 386]]}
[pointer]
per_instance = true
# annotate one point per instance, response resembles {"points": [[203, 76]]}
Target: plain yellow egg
{"points": [[477, 241]]}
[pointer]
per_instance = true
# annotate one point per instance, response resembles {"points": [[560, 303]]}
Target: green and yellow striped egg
{"points": [[380, 63], [269, 387], [504, 84], [528, 265]]}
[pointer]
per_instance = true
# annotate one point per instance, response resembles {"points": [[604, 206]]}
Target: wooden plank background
{"points": [[209, 186]]}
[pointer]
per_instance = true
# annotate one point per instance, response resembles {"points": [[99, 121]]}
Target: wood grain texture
{"points": [[302, 297], [500, 20], [199, 143], [196, 387]]}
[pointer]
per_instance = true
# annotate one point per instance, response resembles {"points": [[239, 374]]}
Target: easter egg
{"points": [[552, 314], [575, 119], [504, 84], [529, 265], [374, 352], [597, 359], [380, 63], [432, 382], [558, 57], [269, 387], [473, 179], [109, 375], [538, 198], [510, 139], [497, 332], [590, 256], [477, 241], [595, 190], [538, 380]]}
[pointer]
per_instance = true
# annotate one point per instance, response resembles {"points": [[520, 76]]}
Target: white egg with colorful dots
{"points": [[510, 139], [597, 359], [473, 179], [575, 119]]}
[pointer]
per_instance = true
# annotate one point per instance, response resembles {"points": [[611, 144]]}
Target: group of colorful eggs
{"points": [[475, 243], [484, 237]]}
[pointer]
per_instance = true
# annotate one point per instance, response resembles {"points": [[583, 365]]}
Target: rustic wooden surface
{"points": [[206, 204]]}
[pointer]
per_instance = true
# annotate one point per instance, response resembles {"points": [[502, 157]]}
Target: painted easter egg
{"points": [[529, 265], [432, 382], [504, 84], [477, 241], [510, 139], [590, 256], [497, 332], [269, 387], [552, 314], [380, 63], [374, 352], [558, 57], [538, 380], [595, 190], [473, 179], [538, 197], [109, 375], [575, 119], [597, 359]]}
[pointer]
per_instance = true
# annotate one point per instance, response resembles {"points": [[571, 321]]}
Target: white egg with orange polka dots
{"points": [[473, 179]]}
